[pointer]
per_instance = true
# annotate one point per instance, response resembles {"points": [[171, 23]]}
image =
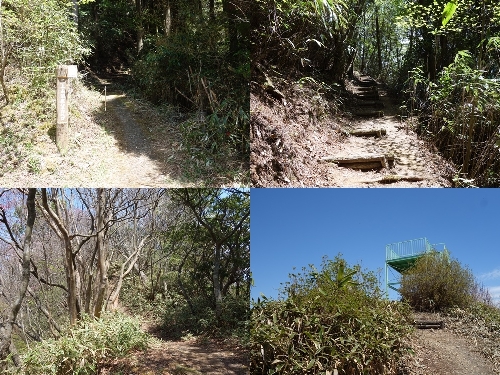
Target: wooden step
{"points": [[367, 95], [366, 83], [366, 89], [376, 161], [426, 324], [369, 114], [368, 132], [372, 103]]}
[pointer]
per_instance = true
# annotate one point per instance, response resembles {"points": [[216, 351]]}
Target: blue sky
{"points": [[296, 227]]}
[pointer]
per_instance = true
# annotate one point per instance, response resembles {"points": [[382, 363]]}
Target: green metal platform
{"points": [[401, 256]]}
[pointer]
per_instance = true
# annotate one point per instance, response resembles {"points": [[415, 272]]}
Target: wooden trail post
{"points": [[63, 73]]}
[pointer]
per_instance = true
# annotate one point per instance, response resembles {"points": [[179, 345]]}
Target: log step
{"points": [[390, 179], [368, 133], [367, 96], [366, 79], [369, 114], [366, 89], [362, 162], [375, 104], [428, 324], [366, 83]]}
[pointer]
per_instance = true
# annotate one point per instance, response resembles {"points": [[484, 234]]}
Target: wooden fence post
{"points": [[64, 73]]}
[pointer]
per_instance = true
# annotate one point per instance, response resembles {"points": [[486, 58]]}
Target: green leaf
{"points": [[448, 11], [311, 364]]}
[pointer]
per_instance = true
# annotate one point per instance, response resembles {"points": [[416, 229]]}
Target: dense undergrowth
{"points": [[460, 114], [83, 348], [188, 72], [173, 315], [336, 318], [30, 114]]}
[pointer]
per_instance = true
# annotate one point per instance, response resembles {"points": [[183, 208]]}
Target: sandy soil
{"points": [[291, 137]]}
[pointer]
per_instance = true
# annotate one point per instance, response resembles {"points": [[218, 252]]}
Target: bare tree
{"points": [[102, 258], [6, 327], [5, 51]]}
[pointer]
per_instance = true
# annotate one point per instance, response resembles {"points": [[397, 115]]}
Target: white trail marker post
{"points": [[64, 73]]}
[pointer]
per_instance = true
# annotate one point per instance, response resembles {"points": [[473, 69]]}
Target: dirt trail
{"points": [[407, 160], [185, 357], [135, 165], [443, 352], [305, 137], [131, 144], [181, 358], [440, 352]]}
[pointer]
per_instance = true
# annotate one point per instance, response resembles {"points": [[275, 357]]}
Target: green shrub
{"points": [[437, 282], [189, 70], [462, 120], [223, 133], [83, 347], [332, 319], [179, 320]]}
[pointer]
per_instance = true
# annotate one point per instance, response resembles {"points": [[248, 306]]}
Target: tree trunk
{"points": [[101, 253], [75, 12], [379, 49], [131, 261], [4, 55], [181, 284], [230, 11], [6, 328], [2, 82], [216, 281], [211, 7], [140, 28], [168, 18], [72, 275]]}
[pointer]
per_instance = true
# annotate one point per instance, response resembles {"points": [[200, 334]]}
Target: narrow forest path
{"points": [[183, 357], [140, 161], [308, 133], [134, 164], [125, 142], [380, 148]]}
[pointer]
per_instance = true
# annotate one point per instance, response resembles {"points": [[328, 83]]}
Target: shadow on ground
{"points": [[149, 138], [194, 356]]}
